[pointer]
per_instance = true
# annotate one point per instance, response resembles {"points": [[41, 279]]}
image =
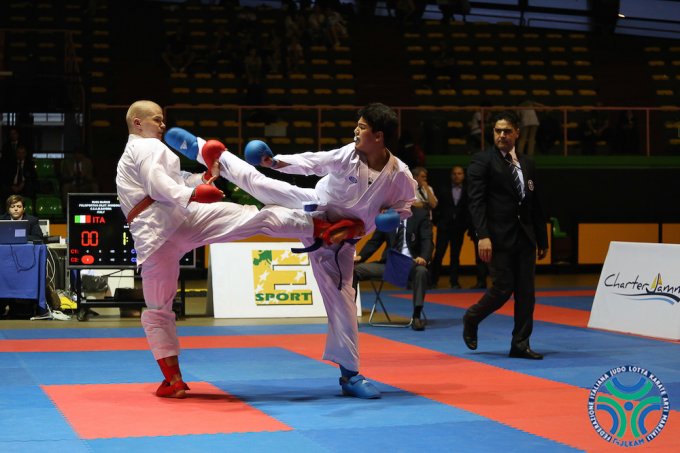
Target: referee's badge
{"points": [[530, 184]]}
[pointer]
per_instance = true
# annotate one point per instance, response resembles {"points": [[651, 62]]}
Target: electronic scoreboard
{"points": [[99, 236]]}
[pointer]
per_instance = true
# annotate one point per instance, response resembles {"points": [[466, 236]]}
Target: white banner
{"points": [[264, 280], [639, 290]]}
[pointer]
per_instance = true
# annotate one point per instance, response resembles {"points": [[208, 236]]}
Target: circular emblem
{"points": [[353, 180], [530, 184], [628, 406]]}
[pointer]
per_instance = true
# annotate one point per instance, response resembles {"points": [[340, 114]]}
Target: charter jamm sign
{"points": [[639, 290]]}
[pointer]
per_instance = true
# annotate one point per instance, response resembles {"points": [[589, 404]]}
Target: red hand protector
{"points": [[205, 193]]}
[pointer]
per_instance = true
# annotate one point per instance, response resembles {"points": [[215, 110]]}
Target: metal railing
{"points": [[656, 129]]}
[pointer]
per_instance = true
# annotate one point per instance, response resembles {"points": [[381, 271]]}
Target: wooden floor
{"points": [[197, 309]]}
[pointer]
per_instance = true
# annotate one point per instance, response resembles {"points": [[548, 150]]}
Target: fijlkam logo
{"points": [[628, 406], [280, 278], [638, 290]]}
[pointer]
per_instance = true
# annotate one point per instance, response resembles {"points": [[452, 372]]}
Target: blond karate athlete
{"points": [[359, 181], [171, 212]]}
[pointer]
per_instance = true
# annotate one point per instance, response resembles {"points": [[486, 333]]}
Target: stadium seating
{"points": [[48, 207], [495, 62]]}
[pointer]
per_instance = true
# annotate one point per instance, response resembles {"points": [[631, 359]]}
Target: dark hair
{"points": [[381, 118], [509, 116], [14, 199]]}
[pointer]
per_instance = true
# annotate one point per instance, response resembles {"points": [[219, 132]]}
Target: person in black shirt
{"points": [[17, 211]]}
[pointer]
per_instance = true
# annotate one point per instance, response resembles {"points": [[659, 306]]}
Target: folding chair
{"points": [[397, 270]]}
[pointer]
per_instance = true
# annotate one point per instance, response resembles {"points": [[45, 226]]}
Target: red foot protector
{"points": [[335, 232], [101, 411], [176, 390]]}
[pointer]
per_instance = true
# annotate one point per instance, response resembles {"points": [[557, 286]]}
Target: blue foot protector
{"points": [[182, 141], [358, 387]]}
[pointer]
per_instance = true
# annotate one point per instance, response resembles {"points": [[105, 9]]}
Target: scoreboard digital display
{"points": [[99, 236]]}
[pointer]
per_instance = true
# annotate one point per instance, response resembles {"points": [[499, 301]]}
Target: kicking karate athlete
{"points": [[359, 181], [169, 215]]}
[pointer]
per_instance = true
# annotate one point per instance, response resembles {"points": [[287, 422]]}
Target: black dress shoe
{"points": [[479, 286], [525, 354], [469, 334], [418, 324], [455, 286]]}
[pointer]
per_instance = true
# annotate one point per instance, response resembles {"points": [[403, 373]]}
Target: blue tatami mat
{"points": [[302, 392]]}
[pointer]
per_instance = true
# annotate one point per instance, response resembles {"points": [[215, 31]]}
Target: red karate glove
{"points": [[205, 193]]}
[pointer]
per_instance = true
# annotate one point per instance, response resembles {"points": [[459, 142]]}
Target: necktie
{"points": [[399, 240], [422, 193], [77, 173], [20, 174], [515, 175]]}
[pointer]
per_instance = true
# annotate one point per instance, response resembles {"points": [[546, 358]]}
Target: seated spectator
{"points": [[15, 210], [443, 64], [9, 147], [19, 176], [404, 11], [409, 151], [291, 25], [627, 134], [450, 7], [253, 70], [274, 59], [316, 23], [253, 67], [595, 129], [219, 56], [549, 132], [413, 238], [178, 54], [294, 56], [77, 175], [336, 27]]}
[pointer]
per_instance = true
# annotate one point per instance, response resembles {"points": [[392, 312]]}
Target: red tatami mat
{"points": [[548, 313], [131, 410], [535, 405], [546, 408]]}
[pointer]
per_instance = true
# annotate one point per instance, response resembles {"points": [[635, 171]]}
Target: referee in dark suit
{"points": [[509, 223], [415, 242]]}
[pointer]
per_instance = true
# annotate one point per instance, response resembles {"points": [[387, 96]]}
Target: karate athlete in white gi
{"points": [[171, 212], [359, 181]]}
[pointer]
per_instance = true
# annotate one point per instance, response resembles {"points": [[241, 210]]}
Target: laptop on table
{"points": [[13, 231]]}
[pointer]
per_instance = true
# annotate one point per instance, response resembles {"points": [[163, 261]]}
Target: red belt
{"points": [[139, 208]]}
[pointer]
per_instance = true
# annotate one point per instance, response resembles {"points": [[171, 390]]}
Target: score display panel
{"points": [[99, 236]]}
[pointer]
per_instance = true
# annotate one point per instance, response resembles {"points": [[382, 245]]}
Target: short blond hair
{"points": [[140, 109]]}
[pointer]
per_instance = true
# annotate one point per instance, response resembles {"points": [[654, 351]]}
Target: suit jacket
{"points": [[418, 238], [447, 213], [29, 174], [497, 210], [34, 231], [68, 171]]}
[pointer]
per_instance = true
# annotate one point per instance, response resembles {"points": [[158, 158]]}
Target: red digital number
{"points": [[89, 238]]}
